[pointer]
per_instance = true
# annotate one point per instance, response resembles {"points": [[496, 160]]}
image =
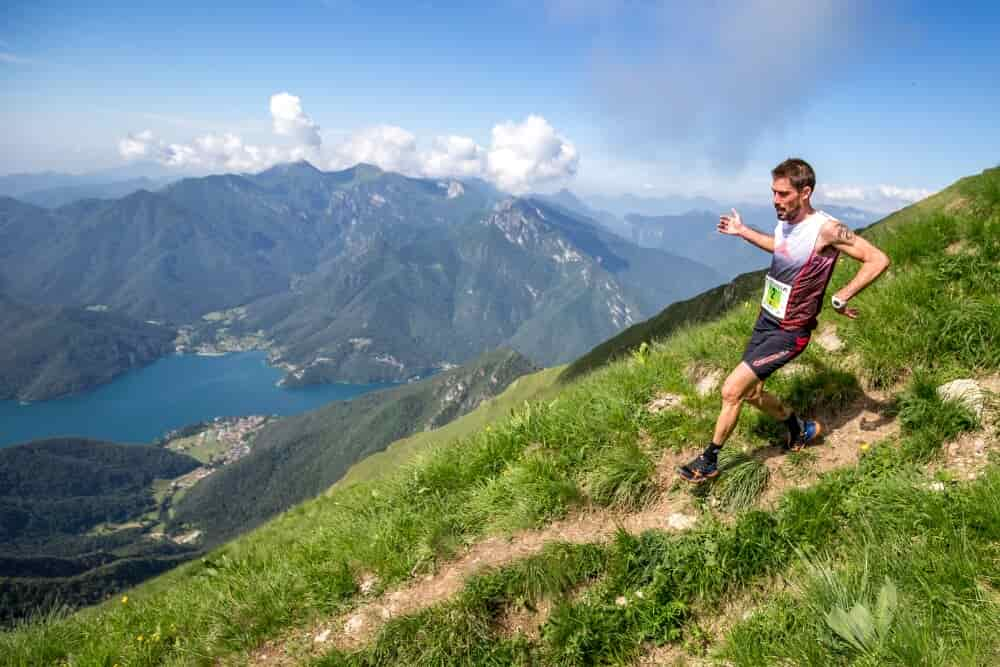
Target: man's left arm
{"points": [[873, 261]]}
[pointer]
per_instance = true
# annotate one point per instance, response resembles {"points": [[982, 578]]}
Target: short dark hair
{"points": [[797, 171]]}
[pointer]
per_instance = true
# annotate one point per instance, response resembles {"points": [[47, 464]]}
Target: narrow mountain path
{"points": [[848, 431]]}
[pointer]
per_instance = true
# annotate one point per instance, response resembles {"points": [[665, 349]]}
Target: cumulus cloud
{"points": [[711, 80], [520, 157], [527, 154], [289, 120], [228, 150], [387, 146], [454, 156], [210, 151], [881, 198]]}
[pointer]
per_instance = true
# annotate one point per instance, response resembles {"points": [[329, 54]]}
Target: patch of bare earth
{"points": [[846, 433], [524, 620], [863, 422], [704, 378]]}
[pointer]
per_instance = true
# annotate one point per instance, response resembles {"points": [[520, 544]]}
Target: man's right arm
{"points": [[733, 225]]}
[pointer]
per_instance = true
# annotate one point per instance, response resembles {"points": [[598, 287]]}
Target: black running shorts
{"points": [[771, 347]]}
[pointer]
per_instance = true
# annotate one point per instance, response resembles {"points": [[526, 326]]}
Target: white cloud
{"points": [[210, 151], [881, 198], [521, 155], [453, 156], [289, 120], [387, 146], [228, 150], [904, 194], [527, 154]]}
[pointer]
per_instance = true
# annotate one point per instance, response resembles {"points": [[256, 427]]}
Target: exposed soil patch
{"points": [[526, 621], [829, 340], [664, 401], [704, 378], [845, 435]]}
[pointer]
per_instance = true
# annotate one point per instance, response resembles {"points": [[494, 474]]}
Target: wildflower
{"points": [[864, 447], [138, 638], [124, 599]]}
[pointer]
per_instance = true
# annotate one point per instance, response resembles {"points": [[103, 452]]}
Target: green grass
{"points": [[641, 589], [536, 386], [928, 321], [938, 550]]}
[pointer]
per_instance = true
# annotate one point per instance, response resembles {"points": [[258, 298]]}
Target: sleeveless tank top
{"points": [[797, 280]]}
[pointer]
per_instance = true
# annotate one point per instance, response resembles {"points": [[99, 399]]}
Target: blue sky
{"points": [[643, 97]]}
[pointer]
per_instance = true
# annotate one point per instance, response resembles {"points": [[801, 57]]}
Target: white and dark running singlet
{"points": [[793, 294]]}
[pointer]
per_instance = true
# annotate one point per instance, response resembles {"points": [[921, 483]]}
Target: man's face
{"points": [[788, 201]]}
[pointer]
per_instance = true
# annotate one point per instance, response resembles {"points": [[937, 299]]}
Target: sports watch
{"points": [[837, 303]]}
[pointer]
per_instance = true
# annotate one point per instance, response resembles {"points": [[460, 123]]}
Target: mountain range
{"points": [[356, 275]]}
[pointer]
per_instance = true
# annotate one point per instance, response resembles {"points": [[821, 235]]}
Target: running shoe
{"points": [[808, 434], [698, 470]]}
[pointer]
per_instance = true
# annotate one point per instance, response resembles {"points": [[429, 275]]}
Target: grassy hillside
{"points": [[536, 386], [297, 457], [873, 564]]}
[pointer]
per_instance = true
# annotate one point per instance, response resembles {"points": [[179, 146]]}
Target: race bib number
{"points": [[775, 299]]}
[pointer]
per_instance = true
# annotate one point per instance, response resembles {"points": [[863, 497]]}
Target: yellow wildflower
{"points": [[124, 599], [139, 638], [865, 447]]}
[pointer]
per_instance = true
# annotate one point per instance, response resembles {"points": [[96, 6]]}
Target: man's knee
{"points": [[754, 393], [735, 390]]}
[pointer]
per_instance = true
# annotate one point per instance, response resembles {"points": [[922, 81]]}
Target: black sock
{"points": [[711, 452], [794, 425]]}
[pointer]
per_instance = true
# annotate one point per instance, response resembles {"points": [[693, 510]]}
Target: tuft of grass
{"points": [[742, 479], [622, 478], [526, 495]]}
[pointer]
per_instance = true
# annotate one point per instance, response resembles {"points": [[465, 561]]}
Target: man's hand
{"points": [[847, 312], [731, 224]]}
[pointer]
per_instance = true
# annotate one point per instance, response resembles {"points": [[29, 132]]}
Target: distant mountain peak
{"points": [[298, 166]]}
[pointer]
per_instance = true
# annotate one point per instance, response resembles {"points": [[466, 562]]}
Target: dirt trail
{"points": [[676, 509]]}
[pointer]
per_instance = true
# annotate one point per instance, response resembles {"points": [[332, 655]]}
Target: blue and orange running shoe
{"points": [[699, 470], [810, 432]]}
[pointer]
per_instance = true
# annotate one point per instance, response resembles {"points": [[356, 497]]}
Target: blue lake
{"points": [[144, 404]]}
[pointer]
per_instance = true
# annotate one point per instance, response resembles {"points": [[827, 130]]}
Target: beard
{"points": [[785, 214]]}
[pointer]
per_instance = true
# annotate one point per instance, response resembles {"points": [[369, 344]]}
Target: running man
{"points": [[805, 247]]}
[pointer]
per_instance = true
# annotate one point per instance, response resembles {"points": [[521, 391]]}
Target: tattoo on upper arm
{"points": [[844, 234]]}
